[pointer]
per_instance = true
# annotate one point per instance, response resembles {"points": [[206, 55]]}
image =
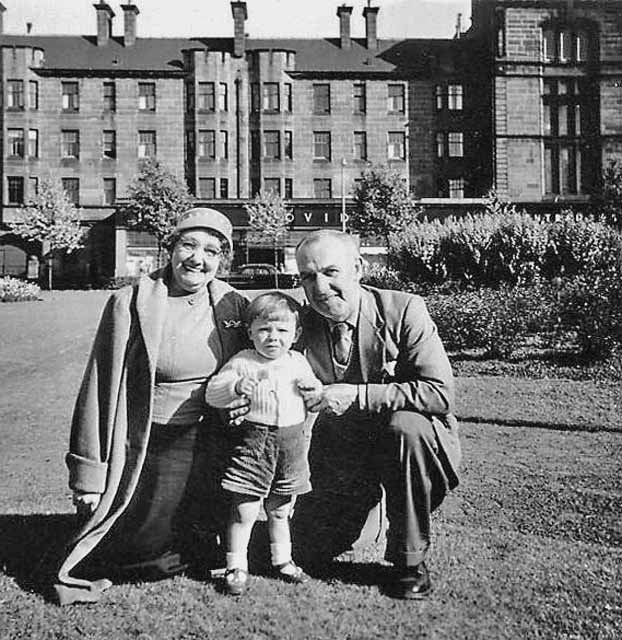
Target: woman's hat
{"points": [[203, 218]]}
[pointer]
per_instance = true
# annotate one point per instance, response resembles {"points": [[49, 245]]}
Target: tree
{"points": [[270, 218], [156, 199], [382, 204], [52, 219], [609, 201]]}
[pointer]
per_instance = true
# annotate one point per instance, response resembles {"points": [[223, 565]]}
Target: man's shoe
{"points": [[292, 573], [414, 583], [235, 581]]}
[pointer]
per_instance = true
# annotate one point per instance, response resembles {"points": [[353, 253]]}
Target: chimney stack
{"points": [[130, 11], [104, 23], [2, 10], [371, 26], [344, 12], [238, 9]]}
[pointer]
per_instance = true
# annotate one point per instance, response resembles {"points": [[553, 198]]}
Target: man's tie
{"points": [[342, 342]]}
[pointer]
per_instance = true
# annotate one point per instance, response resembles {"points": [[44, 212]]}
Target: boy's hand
{"points": [[245, 386], [311, 392]]}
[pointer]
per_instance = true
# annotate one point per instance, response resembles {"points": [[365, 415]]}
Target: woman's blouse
{"points": [[189, 353]]}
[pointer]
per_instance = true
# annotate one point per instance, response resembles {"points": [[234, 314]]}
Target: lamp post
{"points": [[343, 195]]}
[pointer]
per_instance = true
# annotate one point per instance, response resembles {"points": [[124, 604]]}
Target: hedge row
{"points": [[14, 290], [513, 248]]}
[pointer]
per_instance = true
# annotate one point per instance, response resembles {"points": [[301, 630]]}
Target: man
{"points": [[384, 414]]}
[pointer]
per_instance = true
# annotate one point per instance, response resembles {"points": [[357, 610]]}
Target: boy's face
{"points": [[273, 337]]}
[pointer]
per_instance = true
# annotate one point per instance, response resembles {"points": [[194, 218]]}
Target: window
{"points": [[110, 96], [207, 144], [455, 144], [71, 186], [396, 102], [272, 145], [288, 145], [223, 145], [223, 98], [288, 97], [255, 97], [561, 107], [16, 142], [33, 186], [33, 143], [110, 190], [206, 97], [272, 185], [322, 188], [15, 94], [359, 97], [456, 188], [289, 188], [147, 96], [255, 187], [454, 97], [440, 145], [15, 191], [360, 145], [564, 45], [70, 144], [321, 145], [146, 144], [271, 96], [224, 188], [109, 144], [321, 99], [33, 94], [255, 147], [207, 188], [70, 96], [439, 97], [397, 146]]}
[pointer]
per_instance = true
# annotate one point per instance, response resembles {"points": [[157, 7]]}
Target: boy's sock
{"points": [[237, 560], [281, 553]]}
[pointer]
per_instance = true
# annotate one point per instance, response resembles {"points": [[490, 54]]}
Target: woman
{"points": [[144, 446]]}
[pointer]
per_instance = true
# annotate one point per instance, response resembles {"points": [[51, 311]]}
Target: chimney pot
{"points": [[130, 11], [458, 26], [240, 15], [344, 12], [28, 27], [2, 10], [371, 26], [104, 23]]}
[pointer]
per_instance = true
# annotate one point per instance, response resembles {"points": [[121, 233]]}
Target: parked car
{"points": [[261, 275]]}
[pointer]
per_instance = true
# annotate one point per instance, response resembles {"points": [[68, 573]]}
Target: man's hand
{"points": [[85, 503], [236, 411], [334, 398]]}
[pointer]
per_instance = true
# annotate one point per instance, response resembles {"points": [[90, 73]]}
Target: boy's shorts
{"points": [[268, 459]]}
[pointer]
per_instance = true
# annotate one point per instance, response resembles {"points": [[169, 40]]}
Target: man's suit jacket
{"points": [[403, 363]]}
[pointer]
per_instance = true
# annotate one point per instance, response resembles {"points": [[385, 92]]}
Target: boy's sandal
{"points": [[292, 573], [235, 581]]}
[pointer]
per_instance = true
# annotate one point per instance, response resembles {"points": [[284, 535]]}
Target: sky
{"points": [[266, 18]]}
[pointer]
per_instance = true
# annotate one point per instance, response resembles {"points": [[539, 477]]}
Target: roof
{"points": [[165, 54]]}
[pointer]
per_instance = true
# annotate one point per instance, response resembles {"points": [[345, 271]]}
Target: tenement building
{"points": [[527, 100]]}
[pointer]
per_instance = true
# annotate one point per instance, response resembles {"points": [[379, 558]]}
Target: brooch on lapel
{"points": [[232, 324]]}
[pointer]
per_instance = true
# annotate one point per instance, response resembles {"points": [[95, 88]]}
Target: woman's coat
{"points": [[112, 416]]}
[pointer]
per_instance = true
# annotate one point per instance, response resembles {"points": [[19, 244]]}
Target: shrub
{"points": [[13, 290], [591, 305], [383, 277]]}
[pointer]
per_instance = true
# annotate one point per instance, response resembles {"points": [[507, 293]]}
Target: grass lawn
{"points": [[529, 546]]}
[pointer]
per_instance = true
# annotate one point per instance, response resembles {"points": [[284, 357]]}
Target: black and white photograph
{"points": [[311, 320]]}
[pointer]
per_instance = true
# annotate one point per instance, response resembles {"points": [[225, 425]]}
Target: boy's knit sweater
{"points": [[276, 400]]}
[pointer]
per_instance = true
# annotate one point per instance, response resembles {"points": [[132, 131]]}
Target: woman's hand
{"points": [[85, 503]]}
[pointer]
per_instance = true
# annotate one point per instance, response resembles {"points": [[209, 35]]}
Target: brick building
{"points": [[528, 99]]}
